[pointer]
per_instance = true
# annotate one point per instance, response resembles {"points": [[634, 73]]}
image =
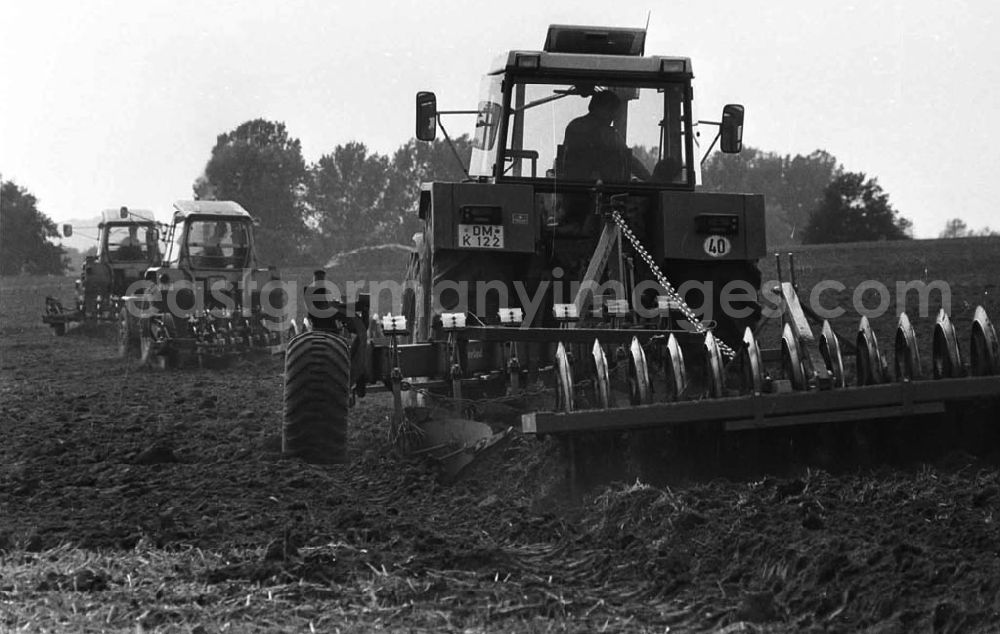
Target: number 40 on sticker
{"points": [[717, 246]]}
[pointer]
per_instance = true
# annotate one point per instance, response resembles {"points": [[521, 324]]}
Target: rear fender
{"points": [[96, 278], [258, 281], [708, 226], [484, 217]]}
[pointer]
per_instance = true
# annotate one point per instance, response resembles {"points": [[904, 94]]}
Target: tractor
{"points": [[580, 273], [208, 298], [128, 242]]}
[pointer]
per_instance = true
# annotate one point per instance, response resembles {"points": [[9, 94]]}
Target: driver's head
{"points": [[605, 104]]}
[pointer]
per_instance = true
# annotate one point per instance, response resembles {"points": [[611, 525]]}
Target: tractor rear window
{"points": [[218, 244], [131, 243], [589, 133]]}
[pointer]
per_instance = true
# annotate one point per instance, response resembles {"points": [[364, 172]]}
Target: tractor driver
{"points": [[130, 248], [152, 248], [594, 150], [209, 253], [213, 245]]}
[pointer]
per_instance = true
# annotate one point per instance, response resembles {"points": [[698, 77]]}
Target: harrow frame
{"points": [[814, 389]]}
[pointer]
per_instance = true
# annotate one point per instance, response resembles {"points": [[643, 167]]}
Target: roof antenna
{"points": [[645, 31]]}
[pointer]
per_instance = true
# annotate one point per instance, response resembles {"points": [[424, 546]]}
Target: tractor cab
{"points": [[210, 237], [125, 242], [128, 244], [589, 107]]}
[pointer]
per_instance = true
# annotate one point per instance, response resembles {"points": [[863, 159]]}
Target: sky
{"points": [[117, 102]]}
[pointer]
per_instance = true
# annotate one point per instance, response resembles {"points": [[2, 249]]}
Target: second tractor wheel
{"points": [[317, 396]]}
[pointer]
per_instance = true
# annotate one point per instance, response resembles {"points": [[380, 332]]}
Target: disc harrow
{"points": [[805, 380]]}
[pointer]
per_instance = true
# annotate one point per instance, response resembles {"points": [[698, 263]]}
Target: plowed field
{"points": [[141, 500]]}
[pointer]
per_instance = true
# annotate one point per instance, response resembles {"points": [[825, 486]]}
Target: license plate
{"points": [[480, 236]]}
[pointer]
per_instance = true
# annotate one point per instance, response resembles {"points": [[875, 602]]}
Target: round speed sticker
{"points": [[717, 246]]}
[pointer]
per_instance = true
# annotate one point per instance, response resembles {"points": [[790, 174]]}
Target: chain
{"points": [[661, 279]]}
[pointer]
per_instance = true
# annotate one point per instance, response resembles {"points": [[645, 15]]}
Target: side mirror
{"points": [[731, 129], [426, 116], [67, 231], [123, 213]]}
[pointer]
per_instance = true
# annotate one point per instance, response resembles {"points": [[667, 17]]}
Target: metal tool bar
{"points": [[575, 335], [765, 410]]}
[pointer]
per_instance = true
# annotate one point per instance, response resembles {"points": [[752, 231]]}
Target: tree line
{"points": [[353, 197], [809, 199], [25, 233], [958, 228], [349, 198]]}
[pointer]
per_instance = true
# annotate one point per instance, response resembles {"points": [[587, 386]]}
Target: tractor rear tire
{"points": [[317, 396], [59, 329]]}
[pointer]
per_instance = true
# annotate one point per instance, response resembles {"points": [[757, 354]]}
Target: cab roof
{"points": [[603, 52], [607, 66], [132, 216], [185, 208], [605, 40]]}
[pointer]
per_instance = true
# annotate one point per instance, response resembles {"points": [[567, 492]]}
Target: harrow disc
{"points": [[946, 359], [602, 381], [675, 370], [639, 376], [791, 359], [753, 365], [984, 353], [714, 366], [829, 349], [871, 370], [907, 353], [564, 378]]}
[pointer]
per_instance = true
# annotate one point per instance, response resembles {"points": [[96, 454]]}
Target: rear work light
{"points": [[673, 65], [452, 321], [394, 324], [528, 61]]}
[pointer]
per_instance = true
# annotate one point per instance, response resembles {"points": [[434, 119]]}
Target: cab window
{"points": [[217, 244], [613, 133], [131, 243]]}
